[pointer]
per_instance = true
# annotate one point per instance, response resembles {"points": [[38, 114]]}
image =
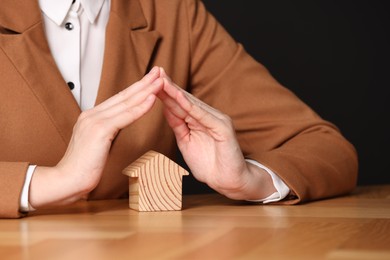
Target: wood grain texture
{"points": [[155, 183], [210, 226]]}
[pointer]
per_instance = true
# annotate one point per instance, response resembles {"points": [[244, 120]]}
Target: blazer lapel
{"points": [[23, 39], [129, 48]]}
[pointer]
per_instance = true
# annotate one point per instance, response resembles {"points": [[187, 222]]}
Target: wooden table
{"points": [[209, 227]]}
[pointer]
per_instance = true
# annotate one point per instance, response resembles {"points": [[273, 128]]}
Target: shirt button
{"points": [[69, 26], [71, 85]]}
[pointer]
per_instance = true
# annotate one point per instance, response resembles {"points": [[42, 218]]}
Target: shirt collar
{"points": [[58, 10]]}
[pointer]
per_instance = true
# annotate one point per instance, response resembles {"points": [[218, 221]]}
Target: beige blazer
{"points": [[274, 127]]}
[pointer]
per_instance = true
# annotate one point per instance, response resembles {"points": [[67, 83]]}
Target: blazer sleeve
{"points": [[11, 183], [274, 127]]}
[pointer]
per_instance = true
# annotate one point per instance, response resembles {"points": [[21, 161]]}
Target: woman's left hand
{"points": [[208, 143]]}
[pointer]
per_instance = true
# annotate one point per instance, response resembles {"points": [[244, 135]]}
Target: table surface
{"points": [[210, 226]]}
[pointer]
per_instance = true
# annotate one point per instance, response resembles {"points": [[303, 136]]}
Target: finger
{"points": [[148, 79], [133, 105], [172, 105], [163, 74], [127, 116], [199, 118], [203, 105], [122, 114], [178, 125], [173, 91], [200, 115]]}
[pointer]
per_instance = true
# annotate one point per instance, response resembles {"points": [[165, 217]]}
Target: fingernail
{"points": [[154, 70]]}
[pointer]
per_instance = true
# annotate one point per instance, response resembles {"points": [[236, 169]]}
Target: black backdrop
{"points": [[334, 54]]}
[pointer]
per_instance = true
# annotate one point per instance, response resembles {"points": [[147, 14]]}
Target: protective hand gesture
{"points": [[207, 141], [81, 168]]}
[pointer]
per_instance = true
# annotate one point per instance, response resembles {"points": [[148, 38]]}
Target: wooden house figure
{"points": [[155, 183]]}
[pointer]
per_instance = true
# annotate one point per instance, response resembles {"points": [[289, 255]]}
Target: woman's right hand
{"points": [[80, 169]]}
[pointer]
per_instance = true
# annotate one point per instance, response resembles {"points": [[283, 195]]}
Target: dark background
{"points": [[335, 55]]}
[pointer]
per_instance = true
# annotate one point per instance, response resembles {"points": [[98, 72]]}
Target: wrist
{"points": [[255, 183], [49, 186]]}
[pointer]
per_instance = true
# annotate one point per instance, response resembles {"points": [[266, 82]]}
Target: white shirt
{"points": [[76, 36]]}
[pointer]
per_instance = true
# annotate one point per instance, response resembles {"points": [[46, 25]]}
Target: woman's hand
{"points": [[207, 141], [81, 167]]}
